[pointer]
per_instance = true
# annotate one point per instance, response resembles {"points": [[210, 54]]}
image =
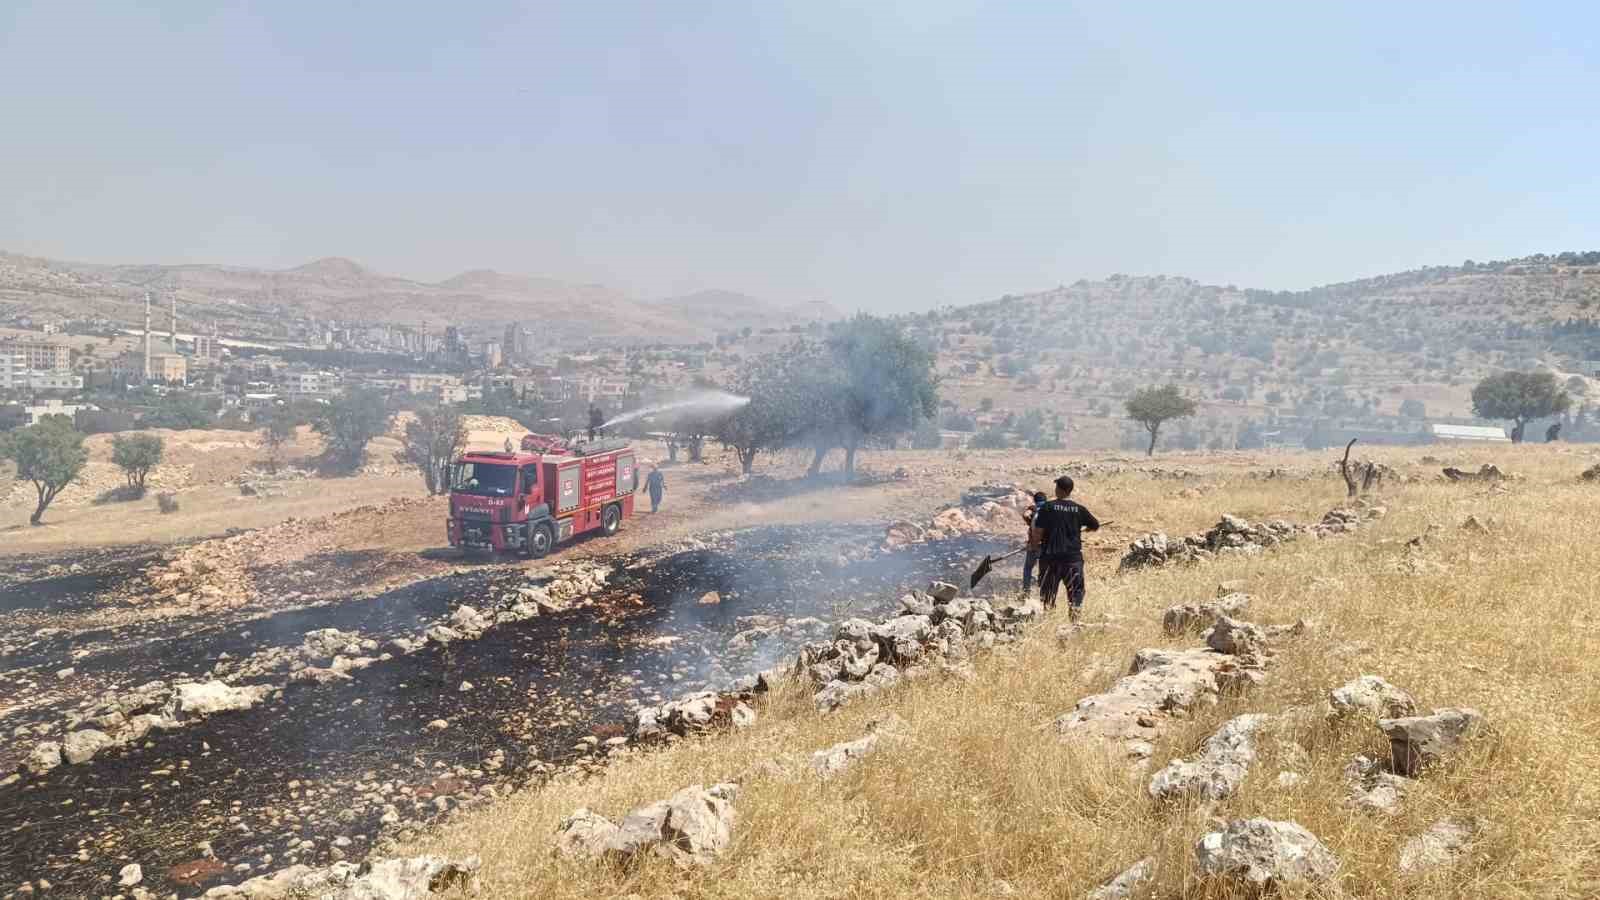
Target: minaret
{"points": [[146, 334], [174, 324]]}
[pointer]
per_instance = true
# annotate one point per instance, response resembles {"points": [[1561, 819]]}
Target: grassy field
{"points": [[980, 802]]}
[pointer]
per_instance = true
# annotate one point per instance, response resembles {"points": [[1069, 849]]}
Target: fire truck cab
{"points": [[528, 501]]}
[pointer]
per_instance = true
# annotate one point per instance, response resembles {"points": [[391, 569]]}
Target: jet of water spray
{"points": [[702, 402]]}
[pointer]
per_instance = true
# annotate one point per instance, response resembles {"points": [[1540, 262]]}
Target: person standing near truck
{"points": [[1056, 528], [655, 486]]}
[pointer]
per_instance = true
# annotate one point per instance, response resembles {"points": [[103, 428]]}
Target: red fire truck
{"points": [[528, 501]]}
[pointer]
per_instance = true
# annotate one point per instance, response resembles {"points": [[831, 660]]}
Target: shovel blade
{"points": [[982, 570]]}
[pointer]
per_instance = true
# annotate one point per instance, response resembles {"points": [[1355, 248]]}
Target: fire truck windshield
{"points": [[485, 479]]}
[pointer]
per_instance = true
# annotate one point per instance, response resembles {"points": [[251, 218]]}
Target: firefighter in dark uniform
{"points": [[1055, 530]]}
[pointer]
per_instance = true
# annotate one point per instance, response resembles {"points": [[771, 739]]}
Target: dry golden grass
{"points": [[979, 802]]}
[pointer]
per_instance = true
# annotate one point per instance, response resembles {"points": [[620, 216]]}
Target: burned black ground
{"points": [[309, 775]]}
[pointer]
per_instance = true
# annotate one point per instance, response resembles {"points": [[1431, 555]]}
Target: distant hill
{"points": [[1341, 353], [262, 301]]}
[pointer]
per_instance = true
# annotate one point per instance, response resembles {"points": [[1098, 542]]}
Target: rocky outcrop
{"points": [[1160, 682], [693, 826], [411, 878], [1264, 853], [120, 718], [1346, 519], [697, 713], [1237, 536], [1244, 640], [1193, 618], [1416, 742], [865, 657], [1488, 472], [1231, 534], [201, 699], [1370, 697], [1218, 770]]}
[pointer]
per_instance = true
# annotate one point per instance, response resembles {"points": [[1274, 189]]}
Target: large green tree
{"points": [[432, 442], [1154, 406], [50, 454], [348, 424], [779, 410], [136, 455], [881, 384], [1520, 397], [278, 425]]}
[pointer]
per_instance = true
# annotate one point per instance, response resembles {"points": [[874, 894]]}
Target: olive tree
{"points": [[880, 383], [49, 454], [136, 455], [778, 410], [1154, 406], [1519, 397], [348, 424], [277, 429], [432, 442]]}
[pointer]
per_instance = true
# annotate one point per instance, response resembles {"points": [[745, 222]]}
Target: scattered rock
{"points": [[692, 826], [390, 879], [900, 639], [690, 714], [198, 700], [1193, 618], [1123, 886], [1371, 697], [1441, 845], [1160, 682], [1242, 639], [1263, 852], [44, 757], [130, 875], [1231, 535], [830, 762], [1372, 787], [1486, 472], [1216, 772], [1416, 742], [584, 833], [80, 746], [943, 592]]}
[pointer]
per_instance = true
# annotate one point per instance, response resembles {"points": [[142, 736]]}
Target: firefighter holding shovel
{"points": [[1056, 529]]}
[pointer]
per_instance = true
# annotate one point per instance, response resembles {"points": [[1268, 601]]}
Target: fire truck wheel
{"points": [[610, 519], [540, 539]]}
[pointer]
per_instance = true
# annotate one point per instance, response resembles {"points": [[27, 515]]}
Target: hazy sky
{"points": [[879, 155]]}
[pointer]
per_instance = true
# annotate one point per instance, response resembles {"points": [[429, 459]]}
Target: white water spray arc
{"points": [[703, 402]]}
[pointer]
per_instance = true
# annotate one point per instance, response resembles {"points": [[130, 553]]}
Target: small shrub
{"points": [[167, 502]]}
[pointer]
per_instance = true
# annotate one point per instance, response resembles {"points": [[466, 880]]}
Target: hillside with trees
{"points": [[1379, 355]]}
